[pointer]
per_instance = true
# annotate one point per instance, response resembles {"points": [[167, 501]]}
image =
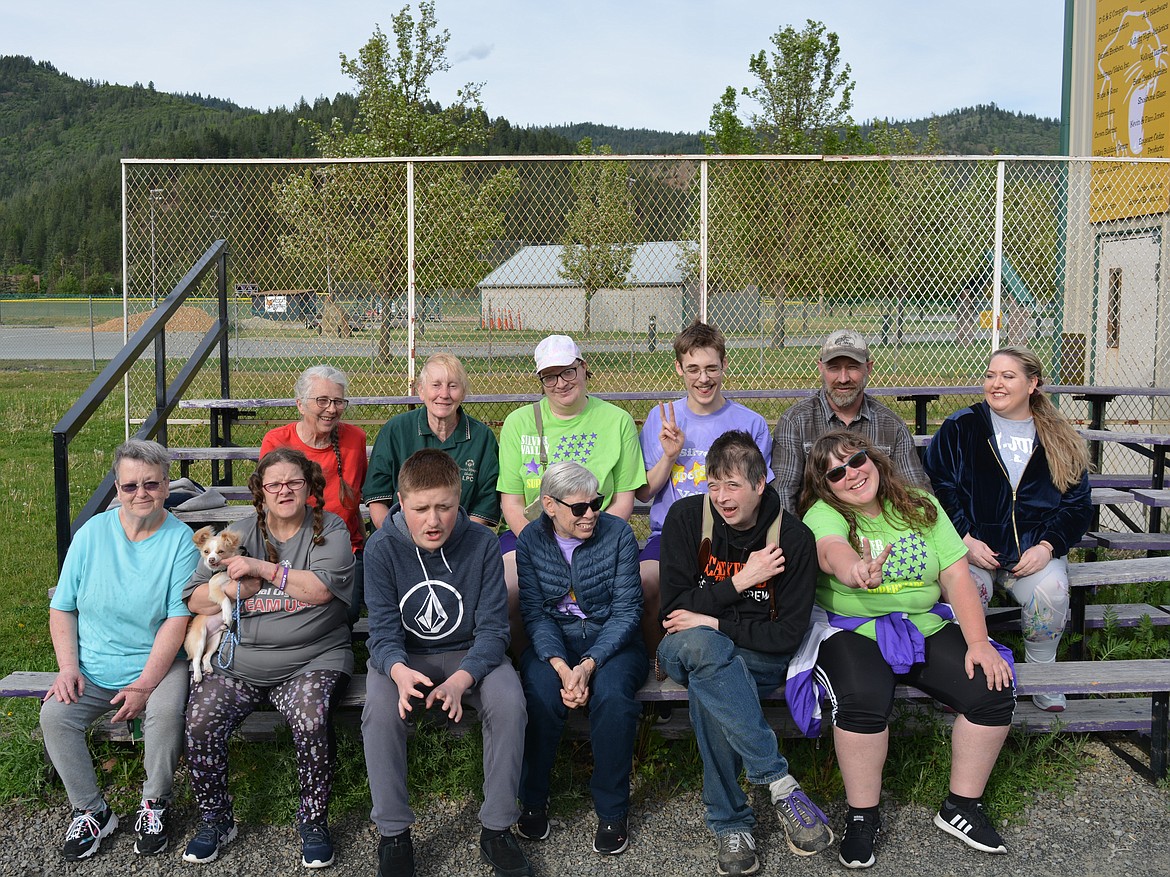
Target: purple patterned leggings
{"points": [[219, 704]]}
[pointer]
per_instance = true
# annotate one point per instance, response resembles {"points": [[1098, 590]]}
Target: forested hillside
{"points": [[633, 141], [987, 130], [61, 141]]}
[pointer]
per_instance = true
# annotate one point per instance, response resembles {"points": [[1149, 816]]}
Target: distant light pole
{"points": [[155, 196]]}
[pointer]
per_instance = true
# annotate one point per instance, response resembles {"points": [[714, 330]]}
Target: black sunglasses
{"points": [[855, 462], [578, 508]]}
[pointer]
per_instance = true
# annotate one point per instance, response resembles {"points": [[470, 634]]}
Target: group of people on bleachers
{"points": [[822, 557]]}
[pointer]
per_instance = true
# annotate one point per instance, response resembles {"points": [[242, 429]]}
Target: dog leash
{"points": [[231, 636]]}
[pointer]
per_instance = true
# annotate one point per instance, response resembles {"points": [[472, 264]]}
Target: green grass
{"points": [[263, 777]]}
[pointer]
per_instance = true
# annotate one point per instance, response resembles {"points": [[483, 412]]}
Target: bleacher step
{"points": [[1154, 498], [1132, 541]]}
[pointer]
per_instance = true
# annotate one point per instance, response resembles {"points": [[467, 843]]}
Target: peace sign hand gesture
{"points": [[867, 572], [671, 437]]}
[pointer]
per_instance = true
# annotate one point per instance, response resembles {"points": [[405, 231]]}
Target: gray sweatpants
{"points": [[499, 700], [64, 726]]}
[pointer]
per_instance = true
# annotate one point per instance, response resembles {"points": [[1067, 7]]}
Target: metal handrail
{"points": [[166, 397]]}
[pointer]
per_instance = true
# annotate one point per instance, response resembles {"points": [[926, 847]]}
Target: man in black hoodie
{"points": [[438, 612], [738, 578]]}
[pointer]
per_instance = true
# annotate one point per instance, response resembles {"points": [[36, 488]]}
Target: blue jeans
{"points": [[613, 721], [724, 685]]}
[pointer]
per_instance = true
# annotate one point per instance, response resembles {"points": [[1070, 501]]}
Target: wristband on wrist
{"points": [[284, 568]]}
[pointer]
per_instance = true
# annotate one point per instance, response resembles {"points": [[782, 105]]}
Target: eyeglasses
{"points": [[855, 462], [578, 509], [275, 487], [713, 371], [132, 486], [323, 402], [567, 375]]}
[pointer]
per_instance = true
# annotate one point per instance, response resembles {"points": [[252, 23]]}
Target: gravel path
{"points": [[1113, 825]]}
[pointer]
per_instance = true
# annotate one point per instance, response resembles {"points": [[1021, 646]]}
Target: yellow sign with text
{"points": [[1131, 108]]}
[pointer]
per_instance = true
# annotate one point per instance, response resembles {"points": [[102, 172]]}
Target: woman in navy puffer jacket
{"points": [[581, 601], [1012, 474]]}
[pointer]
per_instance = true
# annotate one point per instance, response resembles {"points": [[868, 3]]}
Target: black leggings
{"points": [[861, 684]]}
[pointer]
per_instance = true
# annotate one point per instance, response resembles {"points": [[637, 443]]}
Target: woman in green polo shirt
{"points": [[440, 423]]}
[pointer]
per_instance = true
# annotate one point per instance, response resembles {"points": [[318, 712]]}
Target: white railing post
{"points": [[997, 275], [703, 240], [410, 303]]}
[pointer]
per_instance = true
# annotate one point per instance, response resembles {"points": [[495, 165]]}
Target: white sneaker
{"points": [[1050, 703]]}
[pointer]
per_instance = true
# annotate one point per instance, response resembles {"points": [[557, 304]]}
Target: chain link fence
{"points": [[372, 265]]}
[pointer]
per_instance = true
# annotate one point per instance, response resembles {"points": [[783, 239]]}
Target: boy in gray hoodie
{"points": [[438, 613]]}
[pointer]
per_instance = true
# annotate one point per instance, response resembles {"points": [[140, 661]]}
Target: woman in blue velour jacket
{"points": [[1012, 474], [581, 601]]}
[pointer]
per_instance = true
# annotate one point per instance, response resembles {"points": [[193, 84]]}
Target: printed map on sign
{"points": [[1131, 108]]}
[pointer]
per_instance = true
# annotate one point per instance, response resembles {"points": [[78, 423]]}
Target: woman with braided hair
{"points": [[338, 448], [288, 645]]}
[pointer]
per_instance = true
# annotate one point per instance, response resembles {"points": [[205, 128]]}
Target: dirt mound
{"points": [[185, 319]]}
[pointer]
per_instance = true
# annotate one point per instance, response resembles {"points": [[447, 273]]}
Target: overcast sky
{"points": [[632, 63]]}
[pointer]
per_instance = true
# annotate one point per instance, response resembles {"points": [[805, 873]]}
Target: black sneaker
{"points": [[316, 845], [611, 838], [396, 856], [737, 854], [86, 831], [533, 823], [861, 831], [503, 853], [209, 839], [151, 827], [970, 825]]}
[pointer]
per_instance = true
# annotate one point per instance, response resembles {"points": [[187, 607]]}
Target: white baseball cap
{"points": [[556, 350]]}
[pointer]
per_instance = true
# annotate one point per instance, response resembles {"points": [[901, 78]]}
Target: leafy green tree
{"points": [[396, 115], [601, 231], [355, 217], [730, 135], [802, 94], [765, 214], [67, 284]]}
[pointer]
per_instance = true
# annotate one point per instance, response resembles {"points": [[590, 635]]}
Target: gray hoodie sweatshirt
{"points": [[427, 602]]}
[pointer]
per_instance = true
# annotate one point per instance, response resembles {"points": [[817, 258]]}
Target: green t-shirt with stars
{"points": [[601, 437], [909, 575]]}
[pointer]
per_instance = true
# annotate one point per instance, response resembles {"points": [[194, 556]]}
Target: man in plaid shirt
{"points": [[845, 365]]}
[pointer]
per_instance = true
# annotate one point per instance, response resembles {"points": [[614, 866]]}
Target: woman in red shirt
{"points": [[340, 450]]}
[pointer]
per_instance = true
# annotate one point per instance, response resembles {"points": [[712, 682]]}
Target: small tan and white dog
{"points": [[204, 632]]}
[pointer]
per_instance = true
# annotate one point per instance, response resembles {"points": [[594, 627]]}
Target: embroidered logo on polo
{"points": [[469, 470], [906, 565], [432, 609]]}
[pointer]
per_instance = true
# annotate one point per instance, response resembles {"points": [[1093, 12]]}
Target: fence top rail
{"points": [[693, 157]]}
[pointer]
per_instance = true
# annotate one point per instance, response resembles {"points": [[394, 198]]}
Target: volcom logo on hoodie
{"points": [[432, 609]]}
